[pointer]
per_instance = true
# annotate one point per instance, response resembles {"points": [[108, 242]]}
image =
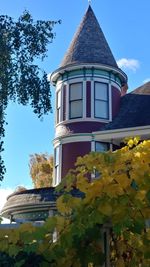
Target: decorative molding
{"points": [[56, 74], [116, 136], [105, 136]]}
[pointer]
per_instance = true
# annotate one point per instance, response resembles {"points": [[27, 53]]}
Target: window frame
{"points": [[101, 101], [75, 100], [58, 108], [56, 165], [96, 173]]}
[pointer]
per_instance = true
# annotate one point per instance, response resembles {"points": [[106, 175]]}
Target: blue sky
{"points": [[126, 28]]}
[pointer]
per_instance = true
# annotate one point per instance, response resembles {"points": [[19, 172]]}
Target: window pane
{"points": [[57, 156], [76, 91], [100, 147], [58, 99], [57, 175], [101, 91], [76, 109], [101, 109]]}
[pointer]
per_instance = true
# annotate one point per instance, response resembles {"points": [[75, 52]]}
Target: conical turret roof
{"points": [[89, 44]]}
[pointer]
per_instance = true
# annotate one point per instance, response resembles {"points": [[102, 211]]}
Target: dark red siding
{"points": [[115, 101], [70, 152], [88, 99], [64, 103], [84, 127]]}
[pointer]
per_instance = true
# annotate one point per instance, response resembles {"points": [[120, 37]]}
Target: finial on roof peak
{"points": [[89, 2]]}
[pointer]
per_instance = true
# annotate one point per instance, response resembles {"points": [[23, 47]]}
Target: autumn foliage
{"points": [[119, 198], [41, 170]]}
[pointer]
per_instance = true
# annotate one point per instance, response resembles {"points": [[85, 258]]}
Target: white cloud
{"points": [[126, 63], [4, 193], [146, 80]]}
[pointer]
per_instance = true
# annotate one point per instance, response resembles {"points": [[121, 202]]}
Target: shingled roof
{"points": [[134, 109], [89, 44], [142, 90]]}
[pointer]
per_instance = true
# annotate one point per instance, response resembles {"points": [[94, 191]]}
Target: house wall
{"points": [[70, 152]]}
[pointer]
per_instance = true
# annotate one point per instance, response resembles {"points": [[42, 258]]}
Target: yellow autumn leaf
{"points": [[136, 140], [137, 155], [130, 143], [141, 195], [123, 180], [82, 183], [63, 206], [120, 262], [113, 190]]}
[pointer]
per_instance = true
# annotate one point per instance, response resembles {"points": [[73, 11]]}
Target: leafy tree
{"points": [[41, 170], [119, 198], [21, 80]]}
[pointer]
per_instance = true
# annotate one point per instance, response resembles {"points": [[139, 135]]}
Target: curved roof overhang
{"points": [[34, 200], [62, 70]]}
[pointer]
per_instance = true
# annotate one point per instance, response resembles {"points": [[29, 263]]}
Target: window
{"points": [[75, 100], [101, 100], [57, 174], [58, 104], [101, 147]]}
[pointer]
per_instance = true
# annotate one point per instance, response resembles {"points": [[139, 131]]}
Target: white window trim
{"points": [[55, 183], [110, 101], [68, 83], [58, 120], [67, 101], [84, 118], [92, 146], [60, 163]]}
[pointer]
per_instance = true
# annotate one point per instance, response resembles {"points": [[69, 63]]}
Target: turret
{"points": [[88, 85]]}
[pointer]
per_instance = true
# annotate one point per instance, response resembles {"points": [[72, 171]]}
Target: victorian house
{"points": [[93, 111]]}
